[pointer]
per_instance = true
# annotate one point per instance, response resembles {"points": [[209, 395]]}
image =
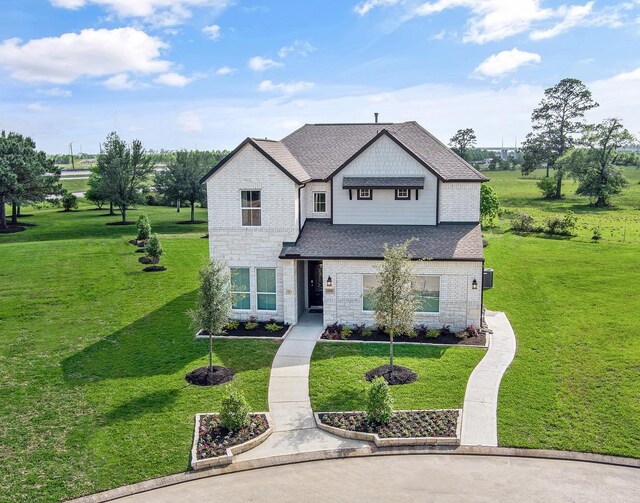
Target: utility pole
{"points": [[73, 167]]}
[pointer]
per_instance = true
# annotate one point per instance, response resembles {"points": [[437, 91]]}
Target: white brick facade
{"points": [[460, 202], [459, 302]]}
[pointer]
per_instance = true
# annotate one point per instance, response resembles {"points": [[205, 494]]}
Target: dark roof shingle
{"points": [[380, 182], [324, 240]]}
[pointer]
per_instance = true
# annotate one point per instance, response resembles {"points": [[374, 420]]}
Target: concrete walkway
{"points": [[480, 409], [295, 429], [442, 478]]}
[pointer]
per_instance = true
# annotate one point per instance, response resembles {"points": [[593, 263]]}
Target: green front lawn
{"points": [[337, 380], [93, 355], [75, 185]]}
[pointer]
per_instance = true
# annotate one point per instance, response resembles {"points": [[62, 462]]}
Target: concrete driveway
{"points": [[439, 478]]}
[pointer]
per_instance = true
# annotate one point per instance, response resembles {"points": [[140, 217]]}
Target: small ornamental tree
{"points": [[394, 299], [153, 248], [144, 227], [213, 304], [379, 402], [234, 413], [489, 205]]}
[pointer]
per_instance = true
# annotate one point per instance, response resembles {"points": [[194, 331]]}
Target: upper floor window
{"points": [[365, 194], [319, 202], [251, 208], [402, 194]]}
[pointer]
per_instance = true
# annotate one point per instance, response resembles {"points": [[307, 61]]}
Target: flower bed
{"points": [[420, 334], [215, 445], [251, 328], [407, 427]]}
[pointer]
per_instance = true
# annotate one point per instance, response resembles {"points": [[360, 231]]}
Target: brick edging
{"points": [[179, 478]]}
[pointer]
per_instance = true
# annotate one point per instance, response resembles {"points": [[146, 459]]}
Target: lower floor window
{"points": [[240, 288], [427, 289], [266, 289], [369, 285]]}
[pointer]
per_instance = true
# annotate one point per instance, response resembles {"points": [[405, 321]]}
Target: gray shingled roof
{"points": [[322, 148], [323, 240], [279, 152], [380, 182]]}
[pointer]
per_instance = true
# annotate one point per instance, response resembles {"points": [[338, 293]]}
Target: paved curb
{"points": [[180, 478]]}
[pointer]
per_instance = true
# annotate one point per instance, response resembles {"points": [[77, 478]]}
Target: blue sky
{"points": [[208, 73]]}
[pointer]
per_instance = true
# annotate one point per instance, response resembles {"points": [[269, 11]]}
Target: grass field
{"points": [[93, 355], [574, 306], [337, 375], [75, 185]]}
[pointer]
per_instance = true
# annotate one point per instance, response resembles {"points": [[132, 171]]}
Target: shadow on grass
{"points": [[160, 343], [154, 402]]}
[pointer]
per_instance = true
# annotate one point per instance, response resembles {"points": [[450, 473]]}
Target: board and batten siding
{"points": [[385, 158], [254, 247], [459, 202]]}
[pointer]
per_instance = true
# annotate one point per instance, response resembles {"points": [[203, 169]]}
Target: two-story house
{"points": [[302, 222]]}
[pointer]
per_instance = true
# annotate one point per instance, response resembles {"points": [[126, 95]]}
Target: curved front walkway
{"points": [[480, 409], [413, 478], [295, 429]]}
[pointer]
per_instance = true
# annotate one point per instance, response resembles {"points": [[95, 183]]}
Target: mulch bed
{"points": [[214, 439], [378, 335], [400, 375], [403, 424], [154, 268], [202, 377], [259, 331], [187, 222], [128, 222], [148, 260], [12, 230]]}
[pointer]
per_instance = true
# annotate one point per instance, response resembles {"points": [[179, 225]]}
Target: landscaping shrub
{"points": [[273, 327], [523, 222], [144, 227], [421, 330], [69, 202], [154, 248], [548, 187], [445, 330], [232, 325], [234, 413], [472, 331], [432, 334], [412, 334], [597, 235], [358, 329], [346, 332], [252, 323], [379, 401], [334, 331], [565, 226]]}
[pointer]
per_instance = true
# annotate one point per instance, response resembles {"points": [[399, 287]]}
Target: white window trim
{"points": [[362, 198], [314, 201], [439, 276], [246, 293], [405, 198], [250, 208], [275, 269]]}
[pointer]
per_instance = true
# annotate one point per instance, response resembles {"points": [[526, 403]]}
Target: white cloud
{"points": [[260, 64], [213, 31], [505, 62], [158, 12], [300, 47], [632, 76], [172, 79], [225, 70], [574, 16], [363, 7], [121, 82], [285, 87], [37, 107], [56, 92], [90, 53], [190, 122]]}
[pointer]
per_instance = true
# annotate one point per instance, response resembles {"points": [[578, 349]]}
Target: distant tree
{"points": [[213, 304], [153, 248], [556, 121], [489, 205], [462, 142], [594, 165], [181, 180], [97, 192], [69, 201], [123, 170], [144, 227], [547, 186], [394, 299]]}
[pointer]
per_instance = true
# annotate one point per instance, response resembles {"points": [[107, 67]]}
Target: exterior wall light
{"points": [[474, 284], [329, 282]]}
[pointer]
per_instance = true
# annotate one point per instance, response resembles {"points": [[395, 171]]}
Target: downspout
{"points": [[482, 320], [300, 187]]}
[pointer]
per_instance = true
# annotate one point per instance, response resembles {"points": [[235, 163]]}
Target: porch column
{"points": [[290, 294]]}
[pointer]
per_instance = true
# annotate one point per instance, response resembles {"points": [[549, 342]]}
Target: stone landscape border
{"points": [[392, 441], [227, 458], [200, 336], [484, 346]]}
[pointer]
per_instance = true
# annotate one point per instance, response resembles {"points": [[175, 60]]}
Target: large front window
{"points": [[240, 288], [427, 290], [266, 289], [251, 208], [369, 284]]}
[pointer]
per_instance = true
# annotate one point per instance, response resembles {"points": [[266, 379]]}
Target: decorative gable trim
{"points": [[384, 132], [248, 141]]}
